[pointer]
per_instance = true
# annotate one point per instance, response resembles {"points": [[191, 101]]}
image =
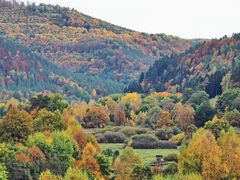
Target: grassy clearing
{"points": [[148, 155]]}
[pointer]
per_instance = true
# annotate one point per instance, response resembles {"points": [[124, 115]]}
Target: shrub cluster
{"points": [[110, 137]]}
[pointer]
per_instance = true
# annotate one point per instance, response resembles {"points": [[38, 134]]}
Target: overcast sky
{"points": [[184, 18]]}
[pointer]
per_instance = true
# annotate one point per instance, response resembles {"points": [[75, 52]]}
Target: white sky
{"points": [[184, 18]]}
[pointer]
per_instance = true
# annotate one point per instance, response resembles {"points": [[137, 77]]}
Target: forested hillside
{"points": [[24, 73], [83, 44], [212, 66]]}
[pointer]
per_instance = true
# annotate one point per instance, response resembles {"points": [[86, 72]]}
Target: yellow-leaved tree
{"points": [[124, 164], [230, 145], [202, 155], [88, 161]]}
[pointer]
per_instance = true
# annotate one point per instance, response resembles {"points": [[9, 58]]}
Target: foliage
{"points": [[202, 155], [230, 145], [217, 126], [46, 175], [48, 121], [171, 157], [165, 119], [183, 115], [167, 145], [15, 126], [56, 103], [204, 113], [124, 164], [111, 137], [93, 53], [197, 98], [164, 133], [96, 117], [88, 161], [201, 68], [229, 100], [3, 172], [73, 173], [141, 172], [64, 149], [177, 139], [144, 141], [233, 118], [171, 169], [104, 164]]}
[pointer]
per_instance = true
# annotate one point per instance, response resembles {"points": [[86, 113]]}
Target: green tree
{"points": [[75, 174], [229, 100], [57, 103], [47, 120], [197, 98], [104, 164], [233, 117], [204, 113], [216, 126], [141, 173], [15, 126], [124, 164], [3, 172], [39, 102], [64, 148]]}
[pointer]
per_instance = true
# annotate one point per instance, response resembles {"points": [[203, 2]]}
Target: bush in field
{"points": [[167, 145], [111, 137], [108, 152], [171, 157], [177, 139], [164, 133], [144, 141], [128, 131], [142, 130]]}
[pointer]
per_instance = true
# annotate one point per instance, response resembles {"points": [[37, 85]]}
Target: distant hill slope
{"points": [[83, 44], [23, 73], [208, 66]]}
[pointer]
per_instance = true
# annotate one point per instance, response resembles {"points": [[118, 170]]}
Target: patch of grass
{"points": [[112, 146], [148, 155]]}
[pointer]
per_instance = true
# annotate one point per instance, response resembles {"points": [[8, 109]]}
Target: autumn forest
{"points": [[83, 99]]}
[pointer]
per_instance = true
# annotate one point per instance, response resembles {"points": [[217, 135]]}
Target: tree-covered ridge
{"points": [[212, 66], [23, 73], [84, 44]]}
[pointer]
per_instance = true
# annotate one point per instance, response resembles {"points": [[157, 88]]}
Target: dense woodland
{"points": [[212, 66], [47, 138], [85, 45], [70, 83]]}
